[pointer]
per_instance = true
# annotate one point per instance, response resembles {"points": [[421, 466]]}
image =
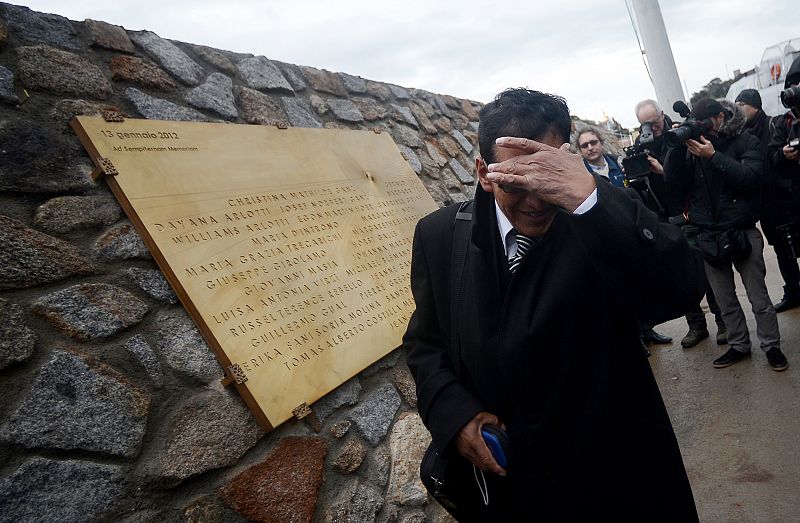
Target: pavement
{"points": [[738, 427]]}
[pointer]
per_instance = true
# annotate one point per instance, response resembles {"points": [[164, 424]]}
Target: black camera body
{"points": [[689, 129], [635, 163], [637, 169], [790, 98]]}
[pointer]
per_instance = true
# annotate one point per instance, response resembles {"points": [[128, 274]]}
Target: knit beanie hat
{"points": [[750, 97]]}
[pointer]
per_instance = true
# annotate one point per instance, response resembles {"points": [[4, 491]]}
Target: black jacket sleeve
{"points": [[778, 139], [648, 264], [444, 404]]}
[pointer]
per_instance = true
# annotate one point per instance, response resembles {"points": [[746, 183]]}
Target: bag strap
{"points": [[462, 232]]}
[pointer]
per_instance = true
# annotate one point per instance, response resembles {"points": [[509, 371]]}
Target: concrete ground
{"points": [[739, 427]]}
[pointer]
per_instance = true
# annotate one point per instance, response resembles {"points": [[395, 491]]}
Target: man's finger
{"points": [[507, 179], [487, 461], [522, 144], [513, 165]]}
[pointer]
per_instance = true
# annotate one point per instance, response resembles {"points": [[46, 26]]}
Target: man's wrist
{"points": [[585, 191]]}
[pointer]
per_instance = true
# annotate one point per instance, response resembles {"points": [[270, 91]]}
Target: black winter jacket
{"points": [[554, 351], [782, 197], [723, 191], [784, 185]]}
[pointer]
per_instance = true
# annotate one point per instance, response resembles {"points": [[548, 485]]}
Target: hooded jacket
{"points": [[723, 191], [784, 183]]}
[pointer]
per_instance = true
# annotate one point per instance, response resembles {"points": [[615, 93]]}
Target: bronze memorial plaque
{"points": [[290, 248]]}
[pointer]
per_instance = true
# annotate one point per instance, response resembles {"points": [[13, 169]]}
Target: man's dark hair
{"points": [[706, 108], [524, 114]]}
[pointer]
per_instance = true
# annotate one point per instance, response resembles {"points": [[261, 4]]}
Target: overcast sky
{"points": [[583, 50]]}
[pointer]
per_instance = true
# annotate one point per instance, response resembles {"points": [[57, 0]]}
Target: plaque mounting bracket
{"points": [[235, 373], [112, 116], [304, 412], [105, 167]]}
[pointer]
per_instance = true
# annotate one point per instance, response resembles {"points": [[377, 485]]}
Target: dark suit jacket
{"points": [[554, 351]]}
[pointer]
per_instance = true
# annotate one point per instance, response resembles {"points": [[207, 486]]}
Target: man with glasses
{"points": [[534, 331], [648, 111], [589, 142]]}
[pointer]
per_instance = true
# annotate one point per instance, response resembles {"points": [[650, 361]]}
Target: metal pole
{"points": [[658, 52]]}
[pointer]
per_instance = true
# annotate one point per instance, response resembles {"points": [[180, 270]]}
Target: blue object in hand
{"points": [[498, 444]]}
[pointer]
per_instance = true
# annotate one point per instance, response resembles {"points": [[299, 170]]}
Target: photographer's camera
{"points": [[689, 129]]}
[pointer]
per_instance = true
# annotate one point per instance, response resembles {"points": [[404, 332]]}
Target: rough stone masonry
{"points": [[112, 405]]}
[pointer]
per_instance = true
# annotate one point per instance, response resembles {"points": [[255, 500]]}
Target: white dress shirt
{"points": [[510, 240]]}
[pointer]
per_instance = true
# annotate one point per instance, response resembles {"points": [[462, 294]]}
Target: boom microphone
{"points": [[681, 108]]}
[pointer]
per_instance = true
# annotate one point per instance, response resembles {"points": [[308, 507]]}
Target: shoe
{"points": [[722, 335], [729, 358], [651, 336], [790, 300], [693, 337], [777, 361]]}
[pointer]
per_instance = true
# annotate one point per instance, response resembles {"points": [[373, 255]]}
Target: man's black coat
{"points": [[554, 351]]}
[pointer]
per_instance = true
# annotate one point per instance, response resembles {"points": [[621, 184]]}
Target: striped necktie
{"points": [[524, 243]]}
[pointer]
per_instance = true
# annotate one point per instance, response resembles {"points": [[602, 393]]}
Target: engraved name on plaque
{"points": [[289, 248]]}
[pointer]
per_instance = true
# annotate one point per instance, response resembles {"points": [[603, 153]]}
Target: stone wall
{"points": [[112, 404]]}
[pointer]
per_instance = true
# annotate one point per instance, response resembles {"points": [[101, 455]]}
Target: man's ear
{"points": [[480, 168]]}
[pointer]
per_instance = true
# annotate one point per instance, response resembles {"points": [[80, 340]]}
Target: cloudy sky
{"points": [[583, 50]]}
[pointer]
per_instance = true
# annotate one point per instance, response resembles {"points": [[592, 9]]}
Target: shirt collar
{"points": [[504, 226]]}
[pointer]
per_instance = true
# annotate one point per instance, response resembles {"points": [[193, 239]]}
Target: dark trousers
{"points": [[787, 264], [696, 318], [753, 273]]}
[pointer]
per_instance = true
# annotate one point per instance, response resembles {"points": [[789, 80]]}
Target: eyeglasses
{"points": [[590, 143]]}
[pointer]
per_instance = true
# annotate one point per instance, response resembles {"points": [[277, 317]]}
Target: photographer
{"points": [[719, 169], [649, 113], [653, 124], [782, 190]]}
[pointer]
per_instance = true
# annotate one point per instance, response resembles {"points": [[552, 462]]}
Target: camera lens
{"points": [[791, 97], [676, 137]]}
